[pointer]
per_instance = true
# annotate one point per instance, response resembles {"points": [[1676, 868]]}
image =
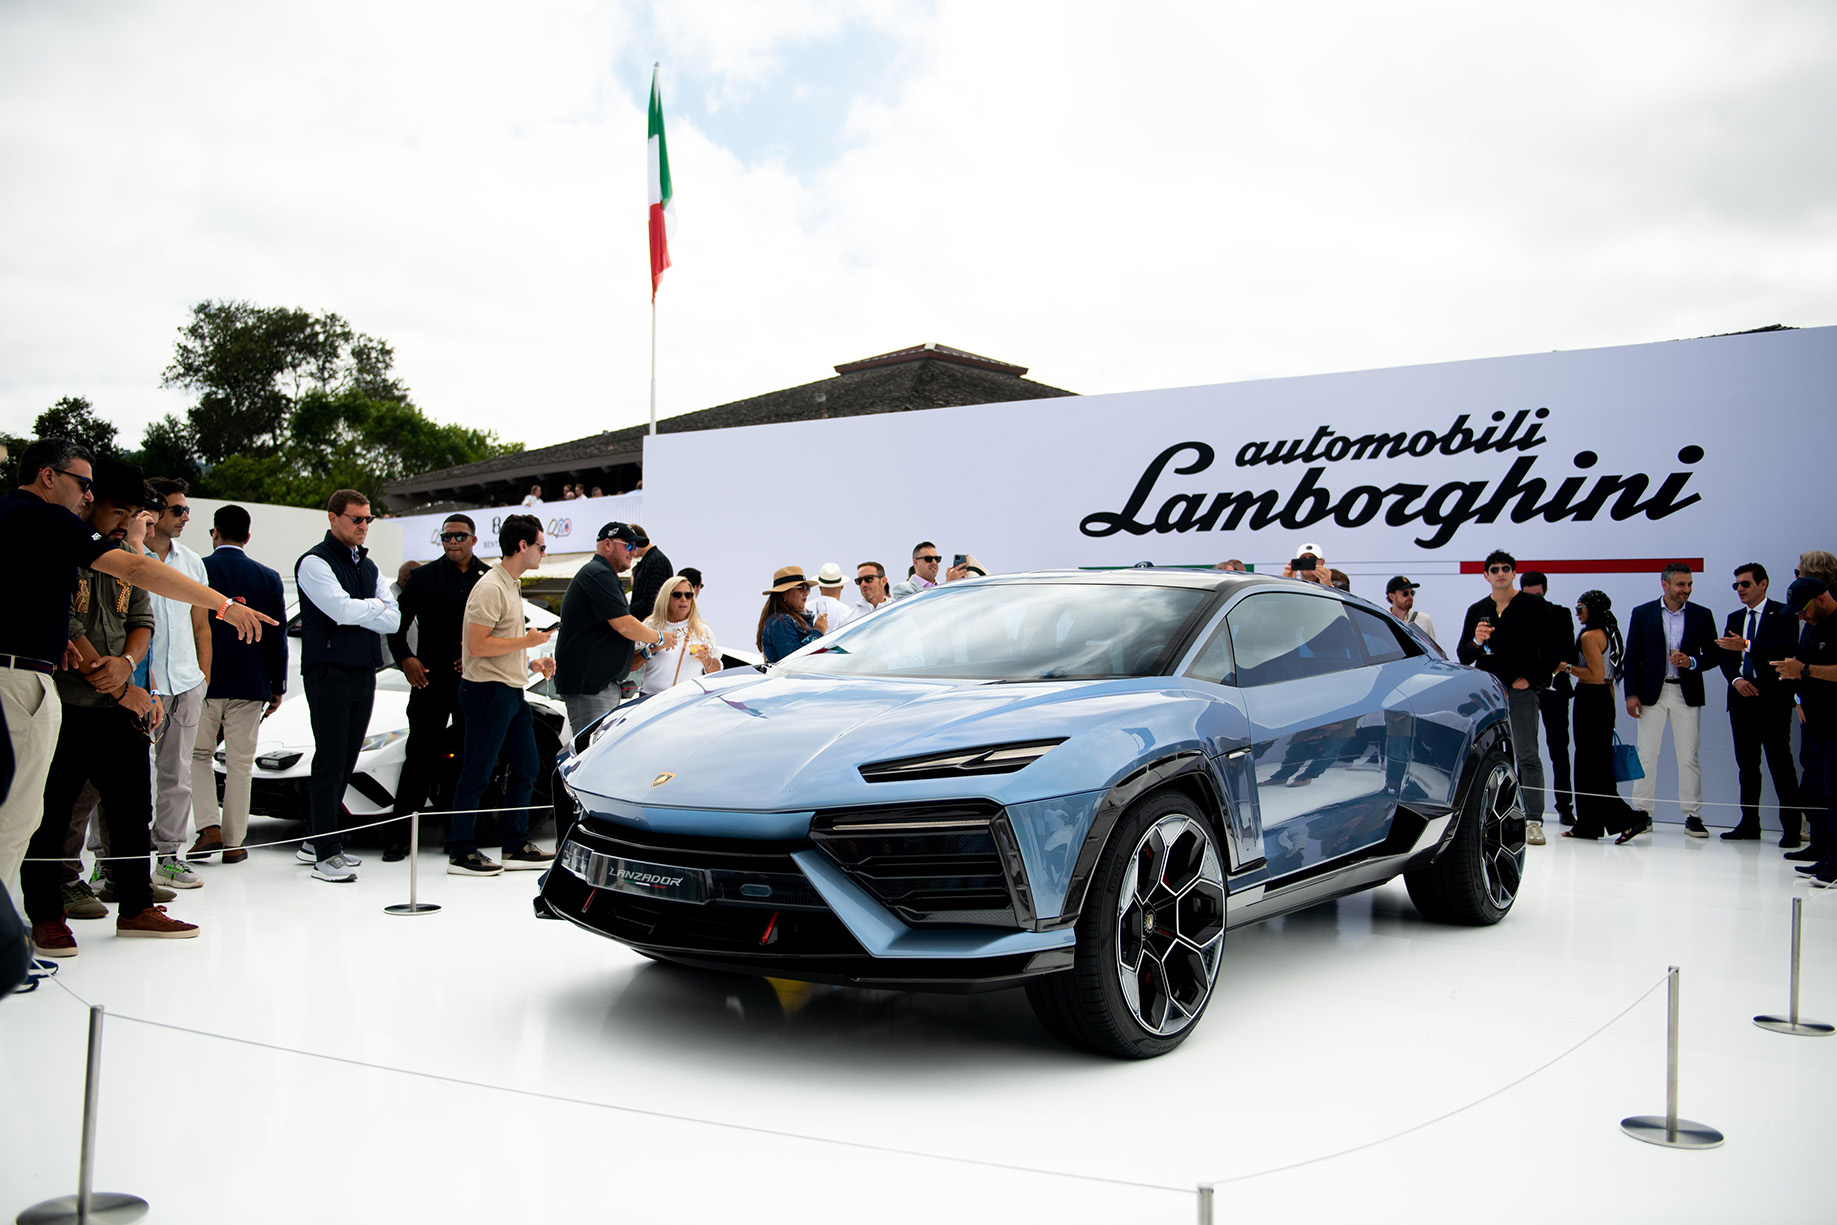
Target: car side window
{"points": [[1383, 642], [1215, 663], [1285, 636]]}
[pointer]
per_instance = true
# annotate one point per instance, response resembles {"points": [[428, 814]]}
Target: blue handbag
{"points": [[1626, 762]]}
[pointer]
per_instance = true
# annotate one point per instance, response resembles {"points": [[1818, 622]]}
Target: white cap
{"points": [[1315, 549]]}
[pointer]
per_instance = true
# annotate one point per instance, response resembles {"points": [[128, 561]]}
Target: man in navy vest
{"points": [[344, 607], [247, 680]]}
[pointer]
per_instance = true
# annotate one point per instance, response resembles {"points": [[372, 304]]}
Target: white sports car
{"points": [[284, 751]]}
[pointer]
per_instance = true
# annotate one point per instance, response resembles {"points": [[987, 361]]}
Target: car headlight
{"points": [[374, 742], [960, 763]]}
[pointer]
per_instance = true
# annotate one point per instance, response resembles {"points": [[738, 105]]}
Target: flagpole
{"points": [[654, 68]]}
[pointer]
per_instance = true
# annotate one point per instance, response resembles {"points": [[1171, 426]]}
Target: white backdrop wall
{"points": [[1596, 466]]}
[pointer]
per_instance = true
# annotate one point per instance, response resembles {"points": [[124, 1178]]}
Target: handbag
{"points": [[1626, 762]]}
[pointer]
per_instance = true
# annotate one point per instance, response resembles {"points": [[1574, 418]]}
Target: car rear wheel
{"points": [[1476, 878], [1150, 939]]}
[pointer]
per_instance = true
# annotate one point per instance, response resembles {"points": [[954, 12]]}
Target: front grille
{"points": [[928, 863], [275, 797], [739, 871]]}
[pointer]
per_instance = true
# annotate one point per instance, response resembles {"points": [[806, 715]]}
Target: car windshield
{"points": [[1011, 632]]}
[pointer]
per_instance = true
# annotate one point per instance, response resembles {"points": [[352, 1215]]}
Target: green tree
{"points": [[75, 418]]}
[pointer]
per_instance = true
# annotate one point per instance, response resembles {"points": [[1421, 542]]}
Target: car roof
{"points": [[1159, 576]]}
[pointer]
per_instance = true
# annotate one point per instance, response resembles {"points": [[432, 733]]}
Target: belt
{"points": [[1674, 680], [26, 663]]}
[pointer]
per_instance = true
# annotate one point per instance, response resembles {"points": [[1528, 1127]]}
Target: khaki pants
{"points": [[1686, 727], [34, 715], [173, 769], [239, 719]]}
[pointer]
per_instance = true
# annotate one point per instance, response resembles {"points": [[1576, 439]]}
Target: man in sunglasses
{"points": [[1756, 636], [181, 661], [1507, 633], [871, 581], [925, 563], [54, 483], [1669, 643], [598, 628], [344, 608], [433, 609]]}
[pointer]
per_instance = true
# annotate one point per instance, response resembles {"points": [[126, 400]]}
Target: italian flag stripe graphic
{"points": [[663, 212]]}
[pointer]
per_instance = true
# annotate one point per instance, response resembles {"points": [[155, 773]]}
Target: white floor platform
{"points": [[1332, 1028]]}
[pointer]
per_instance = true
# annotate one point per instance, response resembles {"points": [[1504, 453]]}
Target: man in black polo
{"points": [[344, 608], [433, 599], [1507, 633], [650, 571], [1815, 670], [50, 543], [593, 653]]}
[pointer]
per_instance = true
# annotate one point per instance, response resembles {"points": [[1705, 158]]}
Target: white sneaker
{"points": [[1534, 833], [337, 869], [305, 854], [174, 873]]}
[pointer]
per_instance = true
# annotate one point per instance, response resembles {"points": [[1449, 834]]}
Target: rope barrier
{"points": [[1615, 795], [1369, 1144], [307, 837]]}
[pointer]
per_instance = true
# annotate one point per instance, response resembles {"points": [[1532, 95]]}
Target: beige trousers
{"points": [[239, 719], [34, 714]]}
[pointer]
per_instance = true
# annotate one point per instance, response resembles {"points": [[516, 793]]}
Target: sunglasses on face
{"points": [[359, 520], [682, 595], [182, 511], [83, 482], [870, 578], [934, 559], [1742, 584], [1499, 569], [452, 537]]}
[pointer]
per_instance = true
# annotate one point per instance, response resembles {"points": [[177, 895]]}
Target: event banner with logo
{"points": [[1597, 467], [569, 527]]}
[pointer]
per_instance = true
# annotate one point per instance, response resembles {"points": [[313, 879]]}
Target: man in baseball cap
{"points": [[1319, 572], [1400, 593], [1815, 669]]}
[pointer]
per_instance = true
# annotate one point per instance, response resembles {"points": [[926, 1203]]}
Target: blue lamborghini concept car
{"points": [[1076, 782]]}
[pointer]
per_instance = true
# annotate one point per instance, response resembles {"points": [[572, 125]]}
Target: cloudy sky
{"points": [[1119, 197]]}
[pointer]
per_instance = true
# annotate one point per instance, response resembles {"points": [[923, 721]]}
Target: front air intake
{"points": [[930, 864]]}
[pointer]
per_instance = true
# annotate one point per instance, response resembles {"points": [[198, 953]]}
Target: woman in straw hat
{"points": [[783, 624]]}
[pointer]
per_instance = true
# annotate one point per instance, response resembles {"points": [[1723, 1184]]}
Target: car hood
{"points": [[786, 741]]}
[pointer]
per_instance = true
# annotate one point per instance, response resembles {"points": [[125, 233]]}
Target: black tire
{"points": [[1476, 879], [1102, 1003]]}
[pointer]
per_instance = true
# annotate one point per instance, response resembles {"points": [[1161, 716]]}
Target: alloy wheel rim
{"points": [[1170, 925], [1501, 836]]}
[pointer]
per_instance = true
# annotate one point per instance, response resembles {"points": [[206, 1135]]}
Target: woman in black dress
{"points": [[1598, 806]]}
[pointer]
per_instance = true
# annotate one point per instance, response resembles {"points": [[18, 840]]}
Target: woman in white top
{"points": [[694, 652]]}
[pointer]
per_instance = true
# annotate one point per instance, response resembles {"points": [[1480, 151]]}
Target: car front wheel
{"points": [[1150, 939]]}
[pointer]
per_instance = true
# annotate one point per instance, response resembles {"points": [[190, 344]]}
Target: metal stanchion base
{"points": [[411, 908], [1804, 1029], [1651, 1128], [105, 1208]]}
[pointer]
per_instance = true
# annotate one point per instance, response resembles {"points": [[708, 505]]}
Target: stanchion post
{"points": [[1790, 1023], [86, 1206], [1669, 1131], [415, 904], [1205, 1203]]}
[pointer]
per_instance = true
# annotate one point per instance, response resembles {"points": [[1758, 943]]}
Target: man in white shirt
{"points": [[828, 600], [181, 658], [1401, 594], [344, 611], [871, 579]]}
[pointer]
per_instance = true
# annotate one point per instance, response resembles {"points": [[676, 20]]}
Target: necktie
{"points": [[1747, 656]]}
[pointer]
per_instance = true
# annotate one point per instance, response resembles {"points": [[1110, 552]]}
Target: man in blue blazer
{"points": [[1669, 644], [1760, 701], [246, 683]]}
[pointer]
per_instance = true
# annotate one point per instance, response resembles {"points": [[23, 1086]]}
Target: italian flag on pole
{"points": [[663, 212]]}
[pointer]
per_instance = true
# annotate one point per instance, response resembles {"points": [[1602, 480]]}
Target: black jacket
{"points": [[1562, 646], [249, 671], [1521, 645], [1644, 668], [647, 579], [1777, 637], [435, 597]]}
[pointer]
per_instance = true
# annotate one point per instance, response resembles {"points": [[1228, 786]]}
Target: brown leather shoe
{"points": [[234, 854], [153, 922], [210, 841], [53, 939]]}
